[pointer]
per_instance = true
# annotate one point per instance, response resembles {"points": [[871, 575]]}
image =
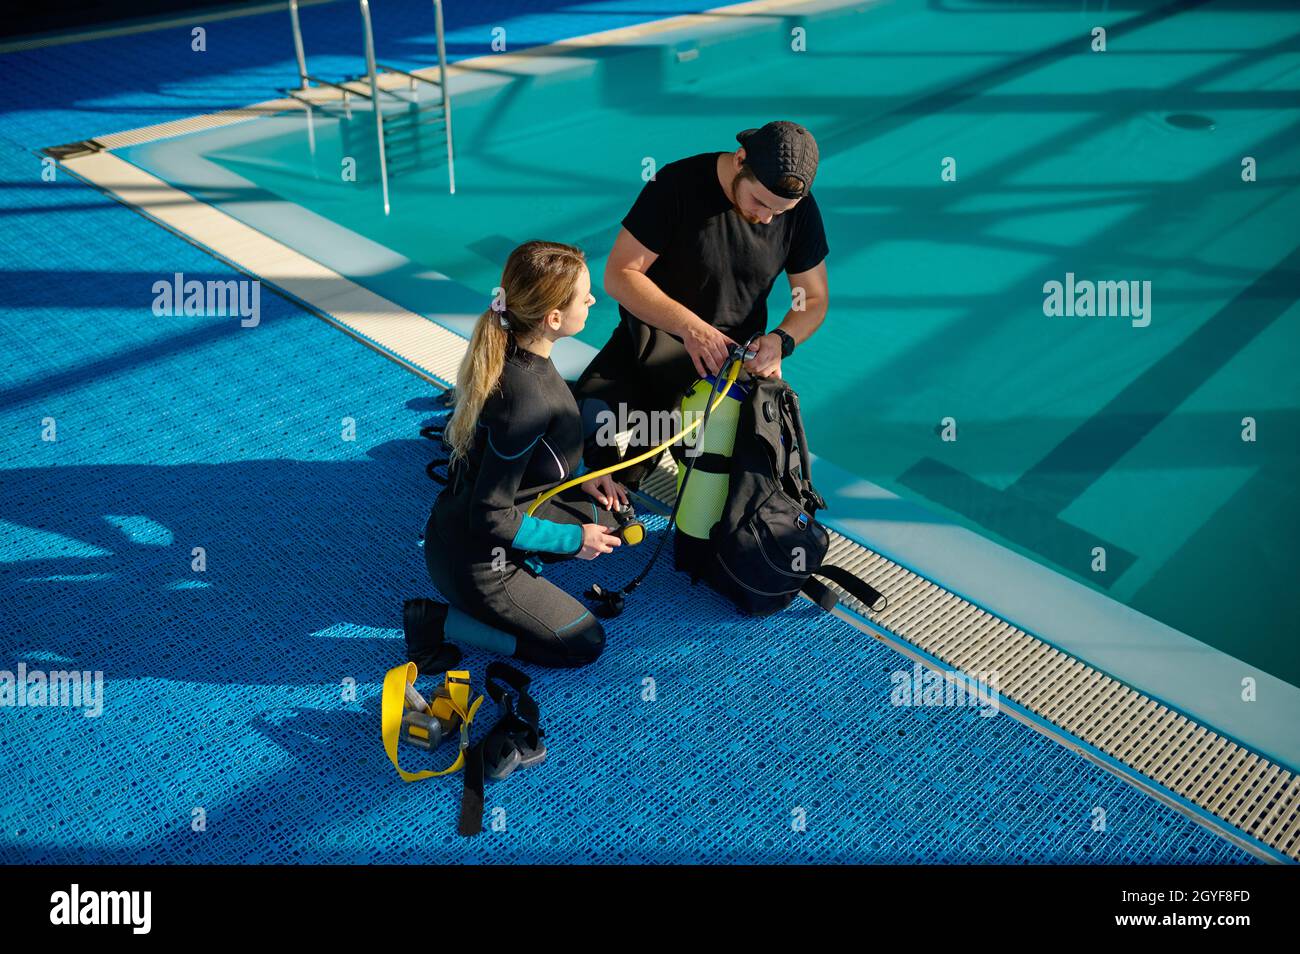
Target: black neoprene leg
{"points": [[550, 627]]}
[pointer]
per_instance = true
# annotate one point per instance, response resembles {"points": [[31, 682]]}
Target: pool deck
{"points": [[1072, 618]]}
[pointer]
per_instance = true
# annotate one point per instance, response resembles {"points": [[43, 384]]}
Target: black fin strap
{"points": [[508, 687]]}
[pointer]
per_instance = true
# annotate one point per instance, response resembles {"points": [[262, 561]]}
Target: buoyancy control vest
{"points": [[746, 524]]}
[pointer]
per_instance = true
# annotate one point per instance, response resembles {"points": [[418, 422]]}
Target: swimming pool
{"points": [[938, 373], [938, 326]]}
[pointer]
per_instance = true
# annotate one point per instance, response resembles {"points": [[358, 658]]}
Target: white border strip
{"points": [[417, 342]]}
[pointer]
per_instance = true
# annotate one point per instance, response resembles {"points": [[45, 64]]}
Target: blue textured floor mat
{"points": [[227, 690]]}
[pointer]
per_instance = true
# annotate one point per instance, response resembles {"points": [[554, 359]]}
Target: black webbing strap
{"points": [[471, 799], [508, 688], [860, 590], [709, 462], [437, 432], [811, 499]]}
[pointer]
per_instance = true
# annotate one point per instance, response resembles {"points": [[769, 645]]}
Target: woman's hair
{"points": [[538, 278]]}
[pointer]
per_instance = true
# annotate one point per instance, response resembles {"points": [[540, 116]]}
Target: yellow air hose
{"points": [[583, 478]]}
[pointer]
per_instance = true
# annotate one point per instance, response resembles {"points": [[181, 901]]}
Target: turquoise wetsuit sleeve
{"points": [[582, 468], [548, 536]]}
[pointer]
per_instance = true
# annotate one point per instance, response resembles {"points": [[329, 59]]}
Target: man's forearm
{"points": [[801, 324], [643, 298]]}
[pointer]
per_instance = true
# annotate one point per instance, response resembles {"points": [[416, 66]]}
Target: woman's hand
{"points": [[597, 540], [608, 491]]}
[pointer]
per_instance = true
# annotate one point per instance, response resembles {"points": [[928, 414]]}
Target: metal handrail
{"points": [[446, 96], [297, 45], [372, 78], [374, 100]]}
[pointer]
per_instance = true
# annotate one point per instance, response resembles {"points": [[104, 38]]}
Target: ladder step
{"points": [[415, 118], [404, 132], [394, 71]]}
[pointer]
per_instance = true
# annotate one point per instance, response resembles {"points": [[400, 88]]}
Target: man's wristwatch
{"points": [[787, 343]]}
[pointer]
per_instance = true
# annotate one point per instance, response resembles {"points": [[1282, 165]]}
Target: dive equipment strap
{"points": [[471, 798], [514, 742], [860, 590], [436, 432], [394, 702]]}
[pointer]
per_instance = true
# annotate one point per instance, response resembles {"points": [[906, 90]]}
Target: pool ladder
{"points": [[398, 137]]}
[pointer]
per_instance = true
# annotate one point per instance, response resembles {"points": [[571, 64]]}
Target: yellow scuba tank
{"points": [[706, 492]]}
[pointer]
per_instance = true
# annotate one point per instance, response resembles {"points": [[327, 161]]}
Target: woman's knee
{"points": [[585, 641], [578, 644]]}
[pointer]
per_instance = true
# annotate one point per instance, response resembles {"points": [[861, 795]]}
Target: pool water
{"points": [[1072, 439]]}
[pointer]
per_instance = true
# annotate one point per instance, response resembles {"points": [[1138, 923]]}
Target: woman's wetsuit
{"points": [[484, 553]]}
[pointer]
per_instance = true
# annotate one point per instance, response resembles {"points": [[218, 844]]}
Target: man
{"points": [[691, 270]]}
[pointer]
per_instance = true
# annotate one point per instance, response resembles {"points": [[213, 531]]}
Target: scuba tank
{"points": [[711, 394], [705, 495]]}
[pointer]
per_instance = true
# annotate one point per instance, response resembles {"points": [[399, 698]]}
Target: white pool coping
{"points": [[1164, 663]]}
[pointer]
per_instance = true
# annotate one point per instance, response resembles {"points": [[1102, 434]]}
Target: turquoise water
{"points": [[1071, 433]]}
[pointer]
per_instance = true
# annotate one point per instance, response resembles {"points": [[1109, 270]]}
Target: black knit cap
{"points": [[781, 149]]}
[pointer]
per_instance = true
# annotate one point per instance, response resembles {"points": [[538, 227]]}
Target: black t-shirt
{"points": [[710, 259]]}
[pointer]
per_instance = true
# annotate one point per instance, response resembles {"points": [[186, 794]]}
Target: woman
{"points": [[515, 432]]}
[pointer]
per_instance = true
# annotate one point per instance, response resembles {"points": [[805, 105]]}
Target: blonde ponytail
{"points": [[538, 278], [477, 377]]}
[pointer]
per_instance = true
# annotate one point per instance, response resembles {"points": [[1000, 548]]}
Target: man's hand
{"points": [[607, 490], [707, 347], [766, 363], [597, 540]]}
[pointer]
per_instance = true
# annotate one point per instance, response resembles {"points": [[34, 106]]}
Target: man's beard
{"points": [[735, 185]]}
